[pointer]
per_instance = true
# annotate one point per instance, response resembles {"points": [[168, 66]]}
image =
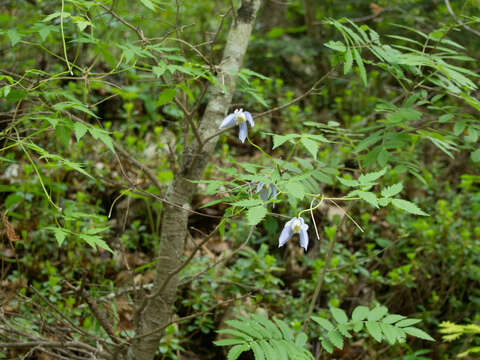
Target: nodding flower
{"points": [[267, 193], [240, 118], [294, 226]]}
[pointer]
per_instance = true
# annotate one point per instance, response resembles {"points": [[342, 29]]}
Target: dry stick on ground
{"points": [[99, 314]]}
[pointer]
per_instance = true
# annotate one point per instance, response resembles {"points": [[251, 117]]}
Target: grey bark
{"points": [[158, 310]]}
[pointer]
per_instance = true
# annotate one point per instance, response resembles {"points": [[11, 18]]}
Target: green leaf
{"points": [[236, 351], [80, 130], [149, 4], [408, 207], [407, 322], [344, 328], [166, 96], [392, 190], [390, 319], [269, 325], [267, 350], [295, 189], [60, 235], [445, 118], [311, 146], [335, 338], [160, 69], [377, 313], [256, 214], [327, 346], [336, 45], [389, 331], [14, 36], [347, 66], [279, 140], [247, 203], [301, 339], [339, 315], [324, 323], [284, 328], [236, 333], [413, 331], [257, 351], [384, 201], [360, 313], [370, 177], [475, 156], [228, 342], [369, 197], [368, 141], [361, 66], [103, 136], [348, 182], [374, 330]]}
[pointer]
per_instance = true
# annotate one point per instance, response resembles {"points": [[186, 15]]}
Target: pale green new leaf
{"points": [[256, 214]]}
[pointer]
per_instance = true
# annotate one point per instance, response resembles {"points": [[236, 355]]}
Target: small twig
{"points": [[99, 314], [126, 23], [466, 27], [312, 89], [228, 257], [318, 288]]}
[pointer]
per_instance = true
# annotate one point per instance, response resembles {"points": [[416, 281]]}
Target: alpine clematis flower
{"points": [[266, 193], [240, 118], [294, 226]]}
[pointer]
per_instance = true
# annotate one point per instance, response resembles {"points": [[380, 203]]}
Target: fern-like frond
{"points": [[268, 340]]}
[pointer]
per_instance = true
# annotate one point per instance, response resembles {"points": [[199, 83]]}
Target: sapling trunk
{"points": [[157, 312]]}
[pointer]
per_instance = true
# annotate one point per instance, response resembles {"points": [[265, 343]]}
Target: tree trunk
{"points": [[158, 310]]}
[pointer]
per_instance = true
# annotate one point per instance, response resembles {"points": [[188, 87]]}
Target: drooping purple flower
{"points": [[240, 118], [267, 193], [294, 226]]}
